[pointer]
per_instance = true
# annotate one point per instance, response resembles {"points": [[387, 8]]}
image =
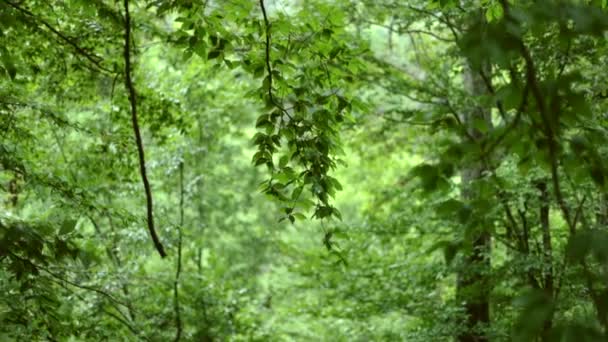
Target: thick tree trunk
{"points": [[472, 288]]}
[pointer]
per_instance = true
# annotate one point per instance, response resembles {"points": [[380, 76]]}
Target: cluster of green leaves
{"points": [[307, 68]]}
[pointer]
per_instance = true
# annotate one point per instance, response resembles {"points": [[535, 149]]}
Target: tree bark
{"points": [[472, 280]]}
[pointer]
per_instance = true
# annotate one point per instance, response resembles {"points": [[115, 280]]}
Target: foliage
{"points": [[321, 170]]}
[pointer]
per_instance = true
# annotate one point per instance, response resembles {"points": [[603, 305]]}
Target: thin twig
{"points": [[124, 322], [400, 30], [178, 318]]}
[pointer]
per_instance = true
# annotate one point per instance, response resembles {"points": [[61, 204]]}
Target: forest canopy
{"points": [[290, 170]]}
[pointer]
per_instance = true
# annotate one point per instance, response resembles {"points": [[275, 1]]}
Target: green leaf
{"points": [[67, 226], [299, 216], [259, 71], [263, 120], [283, 161], [213, 54], [323, 212], [335, 183], [296, 192]]}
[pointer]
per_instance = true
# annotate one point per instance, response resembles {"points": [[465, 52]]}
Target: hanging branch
{"points": [[140, 147], [178, 317], [267, 56], [268, 65]]}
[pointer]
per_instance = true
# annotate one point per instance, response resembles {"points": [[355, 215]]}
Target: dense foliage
{"points": [[322, 170]]}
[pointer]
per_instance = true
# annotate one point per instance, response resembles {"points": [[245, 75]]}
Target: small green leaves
{"points": [[325, 211], [304, 111], [494, 11]]}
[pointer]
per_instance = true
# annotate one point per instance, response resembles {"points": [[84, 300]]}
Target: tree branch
{"points": [[140, 147], [96, 60]]}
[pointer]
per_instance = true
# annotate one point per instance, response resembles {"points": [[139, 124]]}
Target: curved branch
{"points": [[140, 147]]}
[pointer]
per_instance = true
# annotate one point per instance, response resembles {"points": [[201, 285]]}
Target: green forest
{"points": [[304, 170]]}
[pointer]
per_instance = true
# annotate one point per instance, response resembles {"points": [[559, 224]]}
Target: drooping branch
{"points": [[140, 147]]}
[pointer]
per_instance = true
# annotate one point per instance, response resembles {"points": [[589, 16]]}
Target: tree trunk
{"points": [[472, 284], [547, 270]]}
